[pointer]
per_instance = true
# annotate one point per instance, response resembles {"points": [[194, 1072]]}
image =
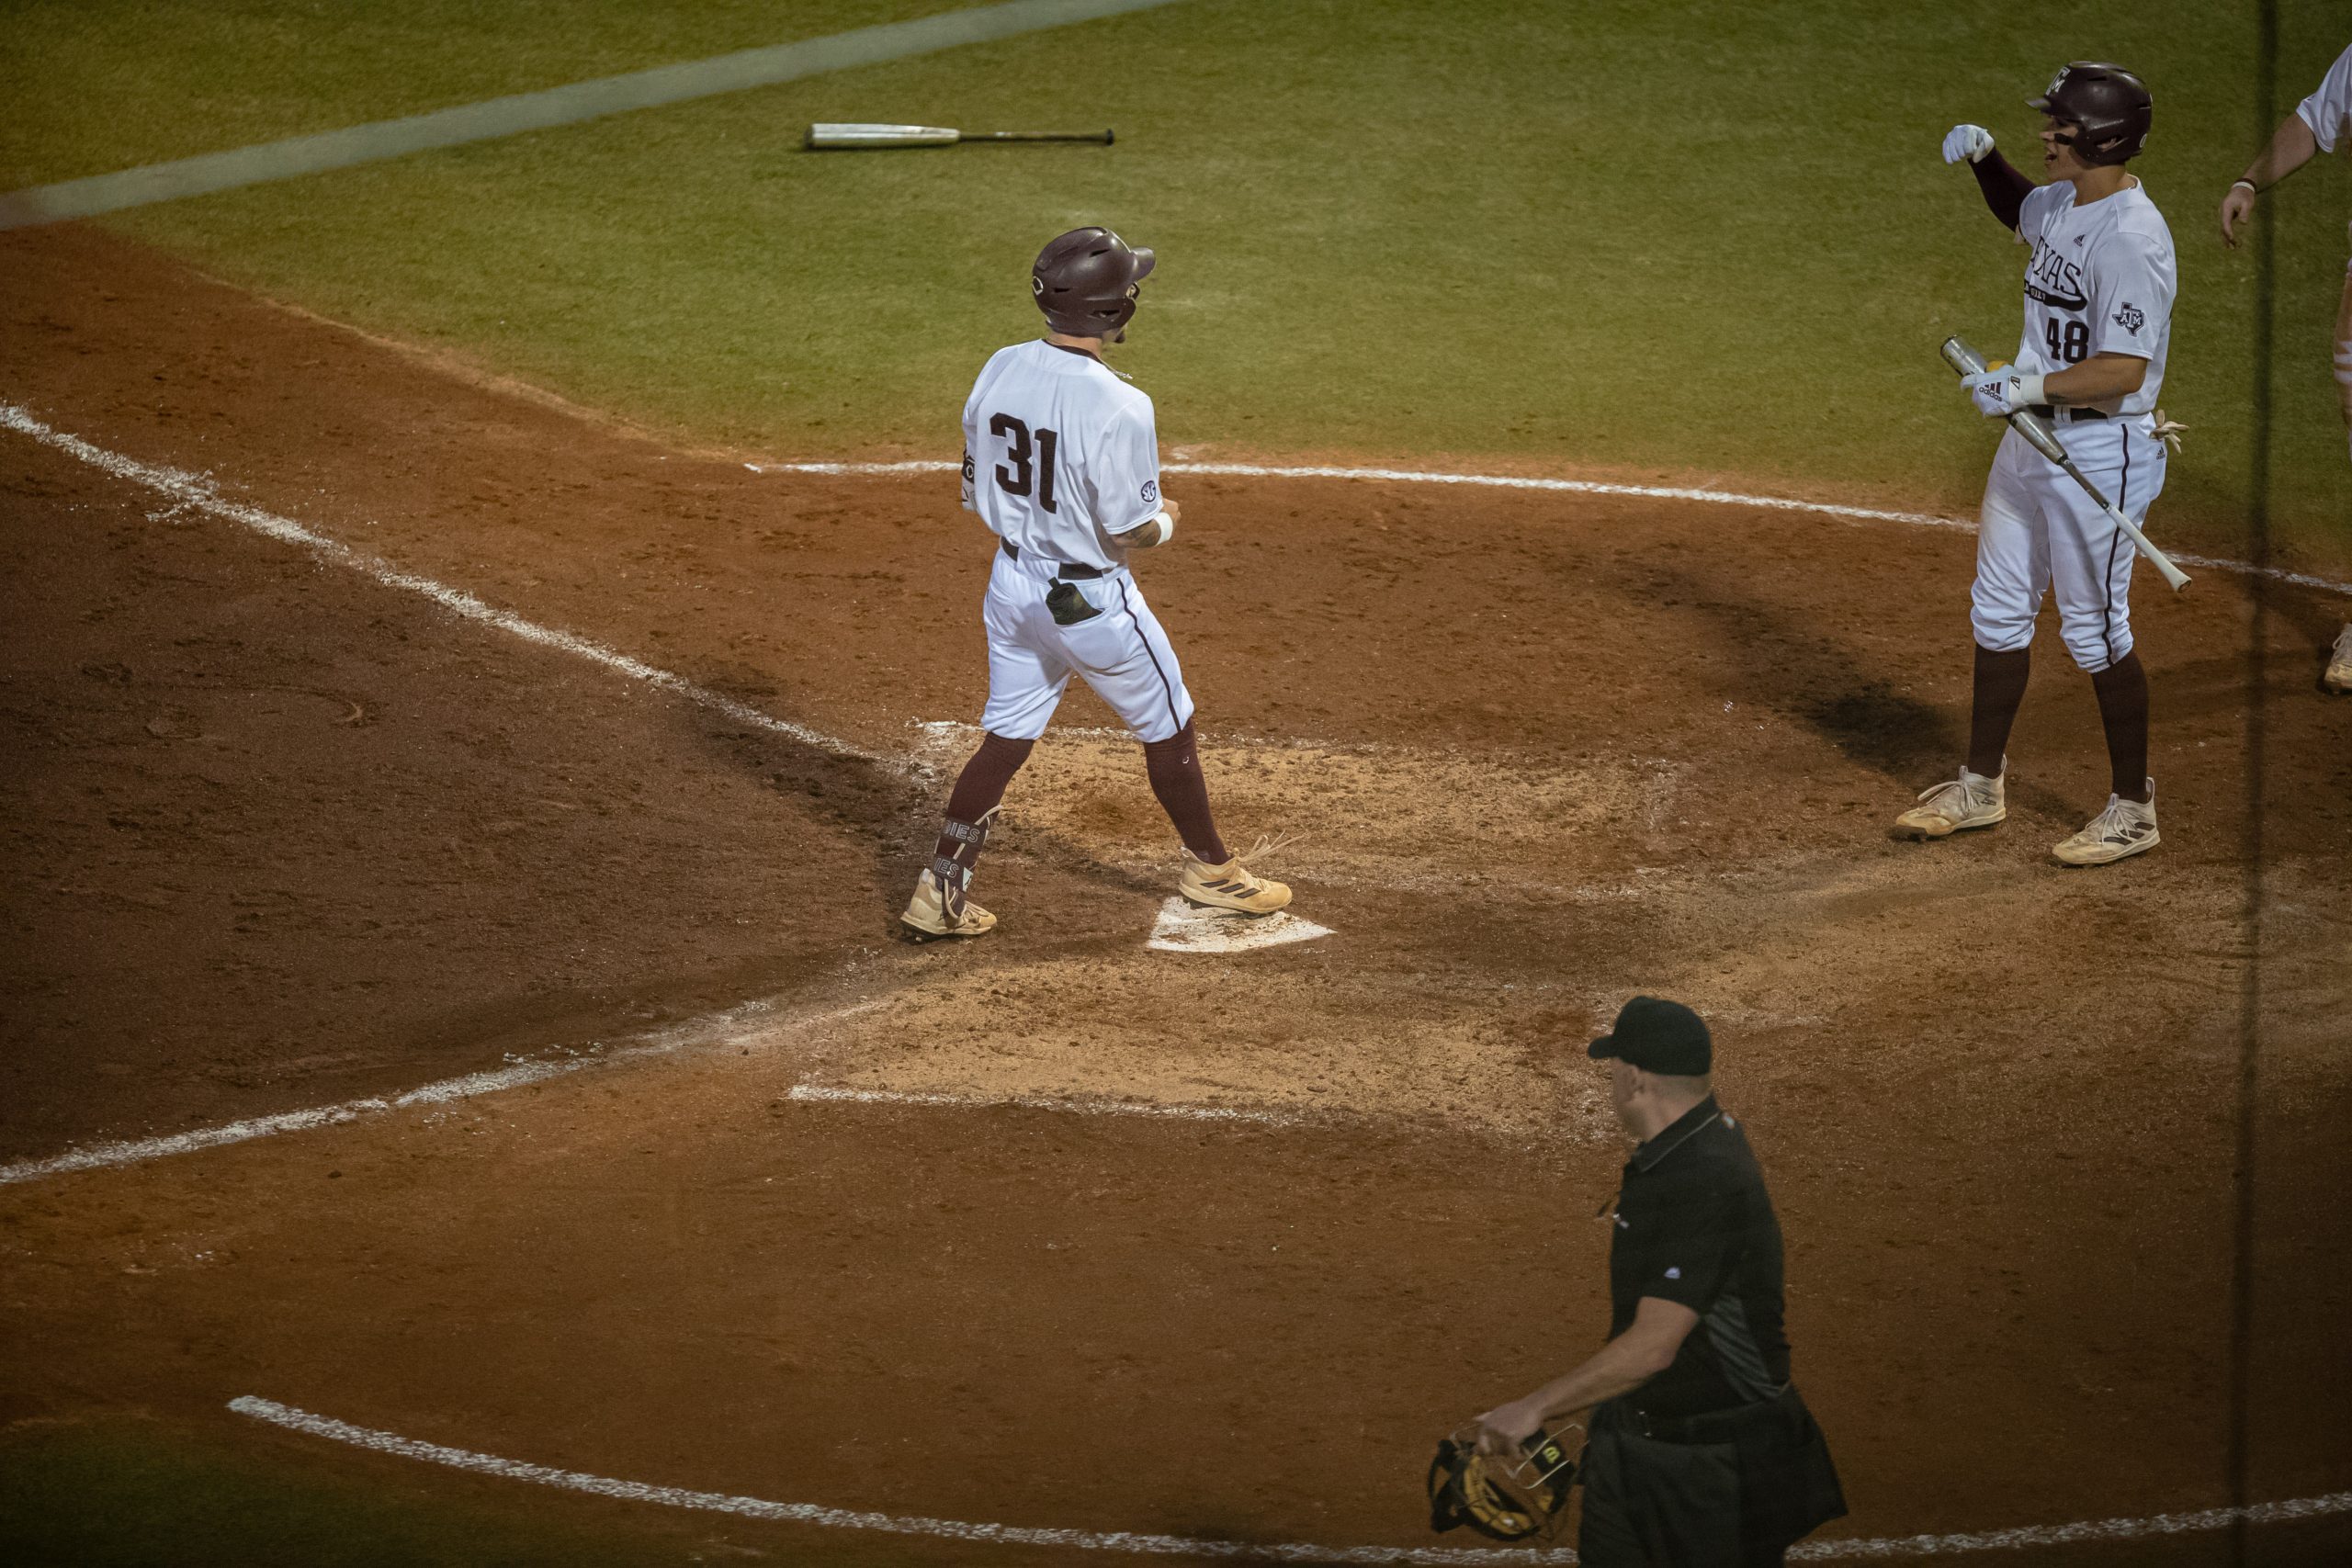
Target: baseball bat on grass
{"points": [[1967, 361], [828, 138]]}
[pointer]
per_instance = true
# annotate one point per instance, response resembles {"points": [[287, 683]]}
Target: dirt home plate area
{"points": [[1103, 1225]]}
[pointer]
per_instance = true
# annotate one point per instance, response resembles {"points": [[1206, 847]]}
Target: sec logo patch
{"points": [[1151, 492]]}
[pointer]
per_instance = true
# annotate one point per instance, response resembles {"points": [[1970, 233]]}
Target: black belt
{"points": [[1061, 568], [2067, 415], [1707, 1427]]}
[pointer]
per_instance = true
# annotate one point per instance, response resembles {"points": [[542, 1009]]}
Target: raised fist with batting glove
{"points": [[1967, 141], [1999, 393]]}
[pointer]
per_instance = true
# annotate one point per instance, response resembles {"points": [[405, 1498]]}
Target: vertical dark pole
{"points": [[2242, 1259]]}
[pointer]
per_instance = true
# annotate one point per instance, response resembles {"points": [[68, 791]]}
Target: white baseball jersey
{"points": [[1060, 454], [1060, 459], [2329, 110], [2101, 281]]}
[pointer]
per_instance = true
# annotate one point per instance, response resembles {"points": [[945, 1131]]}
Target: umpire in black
{"points": [[1699, 1453]]}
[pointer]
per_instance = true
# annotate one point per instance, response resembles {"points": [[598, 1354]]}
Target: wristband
{"points": [[1149, 534], [2248, 183]]}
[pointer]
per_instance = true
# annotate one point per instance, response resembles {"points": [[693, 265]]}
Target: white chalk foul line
{"points": [[1565, 486], [709, 1030], [2201, 1522], [198, 491], [287, 1417]]}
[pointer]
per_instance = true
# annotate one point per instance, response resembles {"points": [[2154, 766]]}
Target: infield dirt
{"points": [[281, 835]]}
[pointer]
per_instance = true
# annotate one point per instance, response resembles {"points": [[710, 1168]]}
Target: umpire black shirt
{"points": [[1694, 1226]]}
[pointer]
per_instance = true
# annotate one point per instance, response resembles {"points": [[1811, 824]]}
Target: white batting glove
{"points": [[1968, 141], [2000, 393]]}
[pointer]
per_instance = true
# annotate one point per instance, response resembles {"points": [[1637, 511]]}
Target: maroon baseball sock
{"points": [[1174, 765], [979, 789], [2122, 689], [1999, 688]]}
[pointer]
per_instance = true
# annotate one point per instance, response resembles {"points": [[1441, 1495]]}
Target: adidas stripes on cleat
{"points": [[1229, 886]]}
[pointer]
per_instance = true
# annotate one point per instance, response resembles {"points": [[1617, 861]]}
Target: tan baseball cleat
{"points": [[1971, 800], [2125, 828], [2339, 665], [933, 912], [1230, 887]]}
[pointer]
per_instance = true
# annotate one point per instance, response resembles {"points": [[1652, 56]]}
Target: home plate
{"points": [[1182, 929]]}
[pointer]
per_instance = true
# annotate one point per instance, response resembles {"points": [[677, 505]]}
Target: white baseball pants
{"points": [[2037, 531], [1122, 653]]}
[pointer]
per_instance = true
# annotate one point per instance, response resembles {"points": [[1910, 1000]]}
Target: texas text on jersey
{"points": [[2101, 281]]}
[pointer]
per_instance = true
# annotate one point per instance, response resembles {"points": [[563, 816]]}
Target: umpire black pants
{"points": [[1740, 1502]]}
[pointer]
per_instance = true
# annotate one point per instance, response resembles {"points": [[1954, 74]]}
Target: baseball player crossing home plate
{"points": [[1061, 461]]}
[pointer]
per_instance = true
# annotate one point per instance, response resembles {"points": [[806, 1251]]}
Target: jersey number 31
{"points": [[1016, 480]]}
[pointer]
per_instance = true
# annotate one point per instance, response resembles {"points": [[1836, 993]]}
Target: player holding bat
{"points": [[2098, 296]]}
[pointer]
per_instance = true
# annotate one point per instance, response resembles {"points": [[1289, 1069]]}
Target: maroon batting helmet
{"points": [[2109, 108], [1085, 282]]}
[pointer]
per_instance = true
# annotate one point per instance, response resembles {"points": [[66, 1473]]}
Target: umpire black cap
{"points": [[2109, 108], [1657, 1036]]}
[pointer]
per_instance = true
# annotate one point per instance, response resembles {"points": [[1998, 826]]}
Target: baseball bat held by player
{"points": [[841, 137], [1967, 361]]}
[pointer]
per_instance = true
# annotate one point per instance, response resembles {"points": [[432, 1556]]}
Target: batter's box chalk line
{"points": [[1561, 487], [392, 1443], [826, 1094], [749, 1021], [1181, 928]]}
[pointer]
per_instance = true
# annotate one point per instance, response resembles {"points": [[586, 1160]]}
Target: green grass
{"points": [[96, 87], [1673, 241], [136, 1494]]}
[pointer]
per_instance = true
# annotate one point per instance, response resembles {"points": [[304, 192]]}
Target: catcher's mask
{"points": [[2109, 108], [1086, 281], [1501, 1498]]}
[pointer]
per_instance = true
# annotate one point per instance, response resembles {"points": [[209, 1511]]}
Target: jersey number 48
{"points": [[2070, 348], [1016, 480]]}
